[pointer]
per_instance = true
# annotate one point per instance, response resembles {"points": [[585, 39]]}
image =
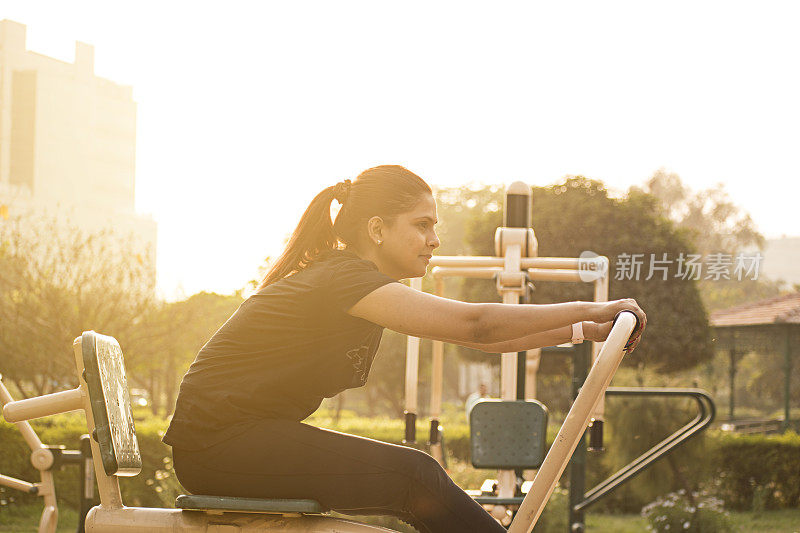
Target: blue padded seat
{"points": [[247, 505]]}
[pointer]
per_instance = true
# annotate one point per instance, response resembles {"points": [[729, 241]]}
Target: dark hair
{"points": [[385, 191]]}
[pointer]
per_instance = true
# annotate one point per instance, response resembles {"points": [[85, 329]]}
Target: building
{"points": [[67, 141]]}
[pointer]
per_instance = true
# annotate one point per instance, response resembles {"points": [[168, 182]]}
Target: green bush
{"points": [[674, 512], [748, 472], [554, 518], [456, 435], [155, 486], [755, 472]]}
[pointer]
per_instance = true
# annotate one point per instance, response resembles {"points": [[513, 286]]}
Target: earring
{"points": [[379, 242]]}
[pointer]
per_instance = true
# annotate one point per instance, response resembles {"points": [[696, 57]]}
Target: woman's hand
{"points": [[599, 333], [604, 316], [607, 311]]}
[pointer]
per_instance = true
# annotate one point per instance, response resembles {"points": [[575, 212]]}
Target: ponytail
{"points": [[384, 191], [312, 236]]}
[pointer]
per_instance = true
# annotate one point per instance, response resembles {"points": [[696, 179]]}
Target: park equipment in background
{"points": [[103, 395], [509, 434], [514, 267], [46, 459]]}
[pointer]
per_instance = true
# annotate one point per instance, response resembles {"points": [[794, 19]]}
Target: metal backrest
{"points": [[508, 434], [104, 372]]}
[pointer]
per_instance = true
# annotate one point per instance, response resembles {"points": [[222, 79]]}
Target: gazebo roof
{"points": [[779, 310]]}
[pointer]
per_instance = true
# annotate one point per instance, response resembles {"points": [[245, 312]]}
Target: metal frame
{"points": [[575, 424], [512, 284], [704, 417]]}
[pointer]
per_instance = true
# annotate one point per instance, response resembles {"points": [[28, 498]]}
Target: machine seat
{"points": [[221, 504]]}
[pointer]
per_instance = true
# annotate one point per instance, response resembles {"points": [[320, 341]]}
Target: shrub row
{"points": [[758, 471], [746, 470], [155, 486]]}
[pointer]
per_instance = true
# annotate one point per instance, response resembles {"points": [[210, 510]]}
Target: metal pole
{"points": [[732, 376], [575, 424], [87, 482], [787, 352], [577, 466], [517, 208], [517, 214], [412, 375]]}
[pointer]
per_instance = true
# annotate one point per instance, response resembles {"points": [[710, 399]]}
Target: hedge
{"points": [[758, 470], [747, 470]]}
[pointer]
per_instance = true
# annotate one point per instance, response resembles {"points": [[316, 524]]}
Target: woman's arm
{"points": [[552, 337], [416, 313]]}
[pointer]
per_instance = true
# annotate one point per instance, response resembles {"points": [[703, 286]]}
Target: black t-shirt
{"points": [[286, 348]]}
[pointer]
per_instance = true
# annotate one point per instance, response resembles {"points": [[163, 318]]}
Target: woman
{"points": [[311, 331]]}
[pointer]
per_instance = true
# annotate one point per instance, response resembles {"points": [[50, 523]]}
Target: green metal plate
{"points": [[247, 505], [104, 372], [508, 434]]}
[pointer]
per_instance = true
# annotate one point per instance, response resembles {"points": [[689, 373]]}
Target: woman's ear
{"points": [[375, 229]]}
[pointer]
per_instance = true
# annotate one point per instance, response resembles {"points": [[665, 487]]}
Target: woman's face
{"points": [[409, 243]]}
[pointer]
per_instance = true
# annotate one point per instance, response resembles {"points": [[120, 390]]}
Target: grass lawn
{"points": [[26, 519]]}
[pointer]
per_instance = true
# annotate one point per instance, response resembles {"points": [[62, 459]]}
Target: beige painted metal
{"points": [[412, 362], [600, 295], [47, 405], [465, 272], [532, 360], [463, 261], [511, 294], [523, 236], [41, 459], [15, 483], [151, 520], [567, 275], [535, 274], [574, 425], [24, 427], [47, 489], [437, 381], [511, 284]]}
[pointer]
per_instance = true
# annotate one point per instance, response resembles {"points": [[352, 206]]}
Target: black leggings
{"points": [[345, 473]]}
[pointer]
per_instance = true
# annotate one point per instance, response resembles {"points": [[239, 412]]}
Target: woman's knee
{"points": [[427, 471]]}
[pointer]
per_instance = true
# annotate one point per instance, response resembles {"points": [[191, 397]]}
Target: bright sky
{"points": [[247, 109]]}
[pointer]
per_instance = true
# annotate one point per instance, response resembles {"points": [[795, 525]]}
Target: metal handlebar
{"points": [[575, 423]]}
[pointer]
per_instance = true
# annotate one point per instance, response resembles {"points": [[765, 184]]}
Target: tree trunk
{"points": [[339, 404]]}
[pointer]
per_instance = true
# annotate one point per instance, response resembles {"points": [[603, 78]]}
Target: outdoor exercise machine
{"points": [[103, 395], [509, 434], [47, 459]]}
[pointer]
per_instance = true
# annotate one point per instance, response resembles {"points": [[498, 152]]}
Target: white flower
{"points": [[686, 525]]}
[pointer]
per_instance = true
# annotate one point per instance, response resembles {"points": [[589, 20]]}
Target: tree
{"points": [[577, 215], [57, 281], [167, 339], [714, 225]]}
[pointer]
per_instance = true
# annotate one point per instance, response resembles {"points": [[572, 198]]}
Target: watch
{"points": [[577, 333]]}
